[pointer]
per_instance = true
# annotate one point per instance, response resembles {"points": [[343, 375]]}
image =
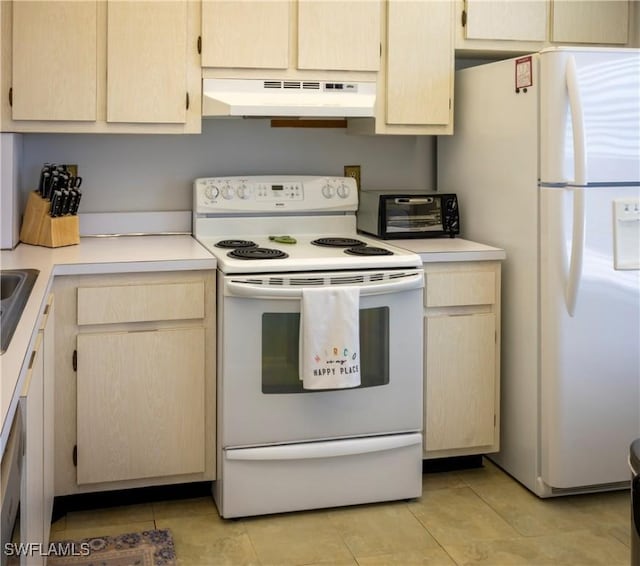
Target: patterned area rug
{"points": [[148, 548]]}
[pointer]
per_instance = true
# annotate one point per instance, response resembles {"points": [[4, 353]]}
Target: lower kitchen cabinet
{"points": [[140, 404], [47, 329], [36, 405], [32, 484], [135, 381], [462, 358]]}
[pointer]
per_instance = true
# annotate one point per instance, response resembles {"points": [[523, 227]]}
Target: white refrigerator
{"points": [[545, 159]]}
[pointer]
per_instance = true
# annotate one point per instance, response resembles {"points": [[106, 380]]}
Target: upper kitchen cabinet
{"points": [[285, 38], [147, 62], [506, 20], [54, 71], [494, 26], [415, 82], [245, 34], [339, 35], [605, 22], [105, 66]]}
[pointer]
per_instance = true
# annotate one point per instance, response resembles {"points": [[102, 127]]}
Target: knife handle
{"points": [[56, 202], [72, 201], [44, 174], [76, 202], [64, 204]]}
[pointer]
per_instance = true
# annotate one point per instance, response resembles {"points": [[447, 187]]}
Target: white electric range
{"points": [[281, 447]]}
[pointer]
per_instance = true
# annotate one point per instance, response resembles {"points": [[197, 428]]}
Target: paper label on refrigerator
{"points": [[524, 72]]}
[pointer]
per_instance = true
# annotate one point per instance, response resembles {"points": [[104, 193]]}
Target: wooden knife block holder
{"points": [[40, 229]]}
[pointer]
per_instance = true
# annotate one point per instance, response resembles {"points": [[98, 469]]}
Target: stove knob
{"points": [[211, 192], [328, 191], [243, 192], [227, 192], [343, 191]]}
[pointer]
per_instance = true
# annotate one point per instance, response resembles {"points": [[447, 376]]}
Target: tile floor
{"points": [[476, 516]]}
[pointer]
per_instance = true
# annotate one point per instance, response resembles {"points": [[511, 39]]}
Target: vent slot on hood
{"points": [[313, 85]]}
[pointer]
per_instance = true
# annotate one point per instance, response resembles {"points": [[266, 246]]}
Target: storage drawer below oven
{"points": [[311, 475]]}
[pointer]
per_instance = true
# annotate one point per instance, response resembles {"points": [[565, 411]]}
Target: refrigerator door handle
{"points": [[577, 124], [577, 249], [580, 179]]}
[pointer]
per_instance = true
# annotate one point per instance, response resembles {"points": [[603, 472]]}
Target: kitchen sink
{"points": [[15, 288]]}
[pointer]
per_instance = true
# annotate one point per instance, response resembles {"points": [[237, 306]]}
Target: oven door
{"points": [[261, 400], [413, 215]]}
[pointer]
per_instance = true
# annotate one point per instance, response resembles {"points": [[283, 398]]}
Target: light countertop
{"points": [[433, 250], [130, 254]]}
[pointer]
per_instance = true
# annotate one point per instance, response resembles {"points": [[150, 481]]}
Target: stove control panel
{"points": [[267, 193], [279, 191]]}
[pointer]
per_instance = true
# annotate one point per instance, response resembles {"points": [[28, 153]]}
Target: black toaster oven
{"points": [[408, 215]]}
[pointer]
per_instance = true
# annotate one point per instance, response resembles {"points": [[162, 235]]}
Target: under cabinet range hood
{"points": [[257, 97]]}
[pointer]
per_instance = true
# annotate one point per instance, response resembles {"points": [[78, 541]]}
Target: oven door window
{"points": [[280, 341]]}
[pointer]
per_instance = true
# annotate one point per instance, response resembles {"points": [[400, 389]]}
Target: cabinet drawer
{"points": [[140, 303], [445, 289]]}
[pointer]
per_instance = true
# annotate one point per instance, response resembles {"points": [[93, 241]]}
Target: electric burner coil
{"points": [[337, 242], [257, 253], [367, 251], [233, 244]]}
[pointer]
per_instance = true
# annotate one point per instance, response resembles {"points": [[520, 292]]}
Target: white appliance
{"points": [[546, 162], [282, 447], [272, 97]]}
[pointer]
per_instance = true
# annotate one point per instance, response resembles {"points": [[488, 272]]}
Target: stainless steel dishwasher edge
{"points": [[10, 476]]}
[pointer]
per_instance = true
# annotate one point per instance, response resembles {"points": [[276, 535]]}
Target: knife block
{"points": [[40, 229]]}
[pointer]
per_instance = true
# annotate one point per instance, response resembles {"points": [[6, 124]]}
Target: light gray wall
{"points": [[155, 172]]}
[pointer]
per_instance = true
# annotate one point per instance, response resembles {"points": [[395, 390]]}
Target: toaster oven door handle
{"points": [[404, 200], [256, 291]]}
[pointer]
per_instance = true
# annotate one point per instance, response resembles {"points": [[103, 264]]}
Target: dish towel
{"points": [[330, 338]]}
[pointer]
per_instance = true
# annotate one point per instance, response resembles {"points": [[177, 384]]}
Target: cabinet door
{"points": [[140, 404], [419, 63], [245, 33], [505, 19], [590, 21], [339, 35], [54, 61], [32, 486], [460, 365], [147, 61], [48, 410]]}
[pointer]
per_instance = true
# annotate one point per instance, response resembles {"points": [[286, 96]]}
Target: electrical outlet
{"points": [[353, 171]]}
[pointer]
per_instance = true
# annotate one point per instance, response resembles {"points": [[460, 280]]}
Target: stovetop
{"points": [[305, 256], [294, 211]]}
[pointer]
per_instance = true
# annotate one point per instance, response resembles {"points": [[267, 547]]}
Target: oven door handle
{"points": [[367, 289], [327, 449]]}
